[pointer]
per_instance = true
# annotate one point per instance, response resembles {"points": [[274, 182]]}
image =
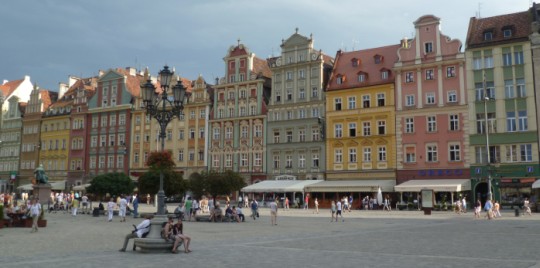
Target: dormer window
{"points": [[488, 36], [340, 79], [507, 31], [362, 77], [384, 74], [378, 59], [355, 62]]}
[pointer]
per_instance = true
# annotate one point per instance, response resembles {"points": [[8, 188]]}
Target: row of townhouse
{"points": [[378, 117]]}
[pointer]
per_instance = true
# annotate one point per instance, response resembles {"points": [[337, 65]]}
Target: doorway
{"points": [[481, 192]]}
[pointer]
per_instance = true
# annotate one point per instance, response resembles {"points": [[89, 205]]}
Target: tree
{"points": [[173, 182], [216, 183], [113, 184]]}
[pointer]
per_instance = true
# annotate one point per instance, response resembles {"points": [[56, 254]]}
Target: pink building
{"points": [[431, 106]]}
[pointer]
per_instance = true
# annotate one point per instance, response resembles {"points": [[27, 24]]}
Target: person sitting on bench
{"points": [[140, 231]]}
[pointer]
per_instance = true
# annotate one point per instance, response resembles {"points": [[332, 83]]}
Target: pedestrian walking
{"points": [[74, 207], [122, 208], [135, 206], [316, 206], [488, 208], [333, 210], [110, 209], [526, 207], [477, 209], [35, 210], [387, 205], [148, 199], [273, 212], [254, 209], [306, 202], [496, 209], [338, 212]]}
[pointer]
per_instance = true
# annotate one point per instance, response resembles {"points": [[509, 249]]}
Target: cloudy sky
{"points": [[52, 39]]}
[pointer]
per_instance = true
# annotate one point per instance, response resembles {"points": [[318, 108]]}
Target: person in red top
{"points": [[306, 203]]}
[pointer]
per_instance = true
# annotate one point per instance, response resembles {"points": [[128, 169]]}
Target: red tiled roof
{"points": [[133, 82], [366, 64], [48, 97], [261, 66], [10, 86], [519, 23]]}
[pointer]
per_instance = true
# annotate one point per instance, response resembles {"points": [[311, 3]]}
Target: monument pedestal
{"points": [[154, 243], [42, 192]]}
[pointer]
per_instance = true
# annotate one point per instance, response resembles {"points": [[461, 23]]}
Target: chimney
{"points": [[62, 88], [72, 80], [217, 80], [101, 73], [132, 71], [404, 42], [5, 81]]}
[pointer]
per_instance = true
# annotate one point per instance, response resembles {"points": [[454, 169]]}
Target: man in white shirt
{"points": [[122, 209], [273, 212], [140, 231], [85, 203], [338, 212]]}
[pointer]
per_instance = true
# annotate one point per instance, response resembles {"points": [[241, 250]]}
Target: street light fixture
{"points": [[163, 108]]}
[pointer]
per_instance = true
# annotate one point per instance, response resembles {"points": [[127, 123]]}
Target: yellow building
{"points": [[55, 131], [360, 121]]}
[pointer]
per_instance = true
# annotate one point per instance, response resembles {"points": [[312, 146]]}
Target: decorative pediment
{"points": [[352, 143], [381, 142], [367, 142], [338, 144]]}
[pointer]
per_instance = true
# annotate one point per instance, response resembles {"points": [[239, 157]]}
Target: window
{"points": [[454, 151], [192, 133], [380, 99], [215, 160], [352, 155], [276, 161], [409, 100], [526, 152], [289, 94], [191, 155], [488, 62], [315, 112], [101, 162], [430, 98], [289, 136], [302, 73], [244, 132], [276, 136], [409, 77], [242, 111], [366, 129], [518, 57], [452, 96], [384, 75], [431, 153], [301, 113], [479, 91], [201, 132], [381, 126], [289, 75], [507, 33], [431, 124], [94, 123], [428, 47], [507, 57], [258, 159], [301, 94], [122, 120], [511, 121], [367, 154], [314, 92], [522, 121], [337, 104], [410, 154], [231, 112], [365, 101], [520, 88], [228, 133], [340, 79], [228, 160], [352, 103], [288, 161], [169, 134], [102, 140], [338, 156], [511, 153], [111, 140], [338, 131], [315, 159], [302, 161], [481, 125], [409, 125], [509, 92], [278, 95], [429, 74], [352, 129], [192, 114], [315, 134], [477, 63], [301, 135], [244, 160], [242, 94], [289, 115], [361, 77], [93, 141], [382, 154], [488, 36], [103, 120], [454, 122], [258, 131], [451, 71]]}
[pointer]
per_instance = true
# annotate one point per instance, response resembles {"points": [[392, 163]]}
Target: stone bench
{"points": [[147, 245]]}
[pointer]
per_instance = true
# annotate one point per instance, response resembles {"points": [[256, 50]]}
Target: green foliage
{"points": [[216, 183], [160, 160], [173, 183], [111, 183]]}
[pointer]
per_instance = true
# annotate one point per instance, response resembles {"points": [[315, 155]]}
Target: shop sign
{"points": [[440, 172]]}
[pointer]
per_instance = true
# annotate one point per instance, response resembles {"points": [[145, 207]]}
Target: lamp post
{"points": [[163, 108], [488, 169]]}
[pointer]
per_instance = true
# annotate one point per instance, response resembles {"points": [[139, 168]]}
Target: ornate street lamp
{"points": [[163, 108]]}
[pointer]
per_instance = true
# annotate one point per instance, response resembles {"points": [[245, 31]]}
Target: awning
{"points": [[536, 184], [81, 187], [278, 186], [443, 185], [352, 186]]}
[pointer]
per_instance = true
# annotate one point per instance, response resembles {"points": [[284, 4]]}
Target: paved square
{"points": [[301, 239]]}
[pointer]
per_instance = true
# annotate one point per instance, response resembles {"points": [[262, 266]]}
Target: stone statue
{"points": [[41, 177]]}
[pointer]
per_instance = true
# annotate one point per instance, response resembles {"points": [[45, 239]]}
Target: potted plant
{"points": [[42, 222], [2, 216]]}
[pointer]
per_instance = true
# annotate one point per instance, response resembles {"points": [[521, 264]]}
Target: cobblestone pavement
{"points": [[301, 238]]}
